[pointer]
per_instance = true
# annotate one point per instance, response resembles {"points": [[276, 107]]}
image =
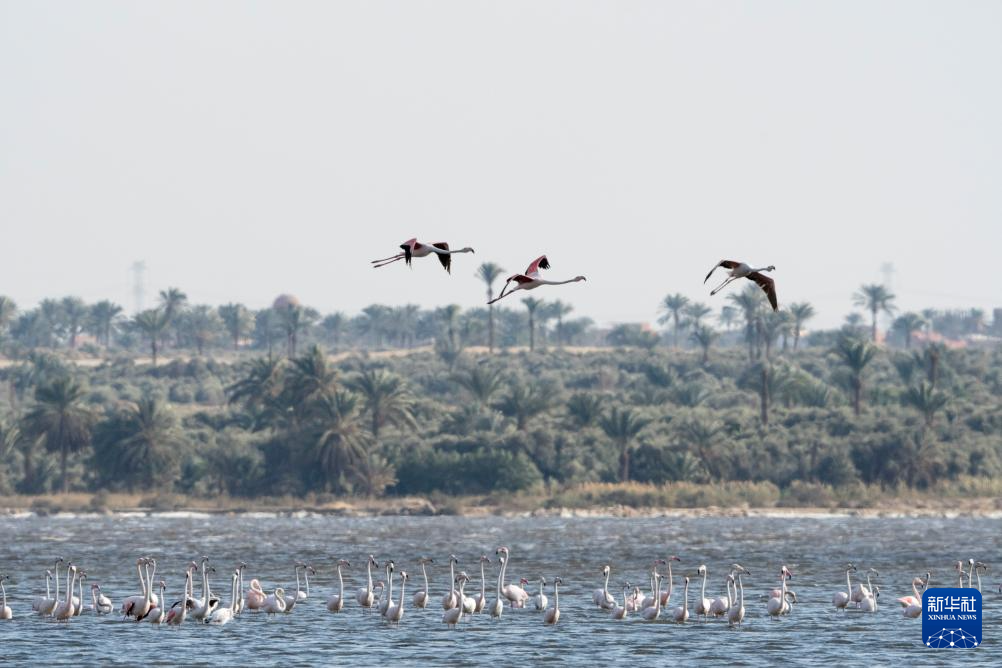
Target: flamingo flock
{"points": [[64, 598]]}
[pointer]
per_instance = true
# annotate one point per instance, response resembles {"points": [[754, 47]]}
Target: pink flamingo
{"points": [[531, 279], [742, 270], [414, 248]]}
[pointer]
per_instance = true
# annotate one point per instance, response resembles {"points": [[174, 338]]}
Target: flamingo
{"points": [[601, 596], [255, 595], [335, 603], [778, 605], [515, 594], [681, 613], [78, 600], [861, 591], [978, 568], [102, 604], [959, 567], [222, 616], [300, 594], [721, 605], [275, 602], [209, 602], [384, 603], [158, 615], [451, 600], [552, 615], [365, 597], [497, 607], [869, 604], [652, 612], [621, 612], [452, 616], [913, 604], [841, 598], [742, 270], [468, 603], [239, 608], [413, 248], [736, 613], [41, 601], [179, 611], [292, 600], [634, 602], [703, 604], [531, 279], [480, 600], [5, 611], [64, 609], [421, 597], [396, 611], [539, 601]]}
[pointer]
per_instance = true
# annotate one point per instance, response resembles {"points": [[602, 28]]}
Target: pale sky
{"points": [[243, 149]]}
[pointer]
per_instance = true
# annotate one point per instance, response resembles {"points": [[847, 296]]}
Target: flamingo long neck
{"points": [[389, 589], [671, 583], [3, 590], [80, 587], [240, 590], [57, 581], [139, 569], [605, 587], [234, 588], [297, 582], [730, 600], [556, 595], [93, 598], [545, 282], [848, 583], [70, 581], [424, 574], [915, 591], [483, 582], [978, 574], [188, 584], [970, 577], [205, 583], [500, 575], [452, 576], [657, 594], [403, 583], [306, 579], [48, 580], [741, 586], [368, 572], [702, 592], [685, 596], [149, 578], [340, 583], [868, 586]]}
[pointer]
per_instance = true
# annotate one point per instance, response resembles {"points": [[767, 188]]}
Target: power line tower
{"points": [[887, 269], [138, 284]]}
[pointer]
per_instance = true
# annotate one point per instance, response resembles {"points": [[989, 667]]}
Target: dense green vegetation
{"points": [[234, 402]]}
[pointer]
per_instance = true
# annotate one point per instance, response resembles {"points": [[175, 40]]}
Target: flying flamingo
{"points": [[742, 270], [531, 279], [5, 611], [413, 248], [552, 615], [335, 602], [841, 598]]}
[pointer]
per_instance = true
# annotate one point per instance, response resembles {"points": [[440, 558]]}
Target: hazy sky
{"points": [[243, 149]]}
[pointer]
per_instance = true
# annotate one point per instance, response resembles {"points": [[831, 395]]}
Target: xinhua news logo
{"points": [[951, 618]]}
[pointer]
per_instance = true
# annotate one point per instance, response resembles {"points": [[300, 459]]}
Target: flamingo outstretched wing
{"points": [[726, 264], [768, 285], [445, 259], [539, 263]]}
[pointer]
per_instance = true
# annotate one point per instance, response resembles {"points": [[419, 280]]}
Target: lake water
{"points": [[816, 548]]}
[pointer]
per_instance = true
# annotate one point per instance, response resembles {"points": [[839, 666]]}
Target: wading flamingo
{"points": [[681, 613], [179, 611], [531, 279], [396, 611], [454, 615], [621, 612], [335, 602], [651, 613], [41, 601], [102, 604], [385, 601], [601, 596], [421, 597], [861, 591], [5, 611], [516, 595], [913, 604], [736, 613], [275, 602], [255, 595], [497, 606], [158, 615], [539, 601], [480, 600], [552, 615], [365, 597], [413, 248], [841, 598], [292, 599], [778, 605], [742, 270], [451, 599], [222, 615], [703, 604], [64, 609]]}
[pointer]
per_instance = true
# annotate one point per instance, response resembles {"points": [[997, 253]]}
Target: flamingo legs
{"points": [[723, 285], [376, 264]]}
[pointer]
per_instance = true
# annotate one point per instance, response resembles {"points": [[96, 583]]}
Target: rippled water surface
{"points": [[575, 549]]}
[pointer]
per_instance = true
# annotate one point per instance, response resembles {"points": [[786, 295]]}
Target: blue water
{"points": [[816, 548]]}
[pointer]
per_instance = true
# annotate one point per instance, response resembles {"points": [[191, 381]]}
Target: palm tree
{"points": [[295, 320], [622, 425], [695, 312], [481, 382], [50, 314], [532, 305], [74, 313], [584, 410], [856, 354], [749, 302], [703, 436], [728, 316], [489, 272], [801, 312], [875, 298], [449, 314], [311, 375], [152, 440], [237, 320], [524, 402], [102, 318], [704, 336], [152, 323], [926, 399], [671, 308], [260, 386], [334, 326], [340, 446], [172, 301], [60, 420], [558, 310], [203, 325], [773, 325], [8, 309], [907, 324], [386, 400]]}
